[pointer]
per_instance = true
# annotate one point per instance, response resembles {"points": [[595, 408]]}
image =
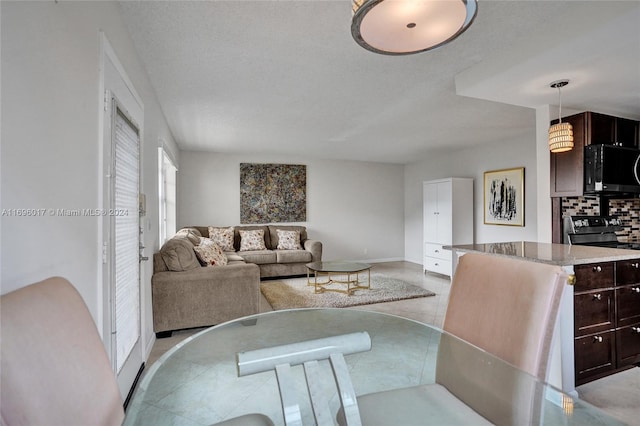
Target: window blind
{"points": [[126, 217]]}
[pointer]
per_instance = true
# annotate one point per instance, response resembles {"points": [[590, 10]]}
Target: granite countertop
{"points": [[555, 254]]}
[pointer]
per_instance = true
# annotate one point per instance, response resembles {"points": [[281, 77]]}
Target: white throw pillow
{"points": [[209, 253], [223, 237], [252, 240], [288, 240]]}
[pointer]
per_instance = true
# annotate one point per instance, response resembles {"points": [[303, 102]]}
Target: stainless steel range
{"points": [[597, 231]]}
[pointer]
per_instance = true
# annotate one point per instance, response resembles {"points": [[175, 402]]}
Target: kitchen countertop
{"points": [[554, 254]]}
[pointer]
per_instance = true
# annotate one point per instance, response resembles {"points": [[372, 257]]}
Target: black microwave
{"points": [[611, 169]]}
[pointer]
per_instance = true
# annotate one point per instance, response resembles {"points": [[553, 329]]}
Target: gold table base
{"points": [[353, 284]]}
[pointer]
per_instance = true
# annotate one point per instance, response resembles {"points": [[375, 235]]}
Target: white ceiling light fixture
{"points": [[560, 134], [403, 27]]}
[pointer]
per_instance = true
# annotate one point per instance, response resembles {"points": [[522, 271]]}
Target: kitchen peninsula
{"points": [[598, 330]]}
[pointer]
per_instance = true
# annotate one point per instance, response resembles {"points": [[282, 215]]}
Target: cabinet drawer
{"points": [[593, 312], [594, 276], [628, 345], [628, 272], [628, 303], [594, 356], [439, 266], [436, 250]]}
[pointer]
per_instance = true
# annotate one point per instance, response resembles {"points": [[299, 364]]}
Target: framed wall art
{"points": [[273, 193], [504, 197]]}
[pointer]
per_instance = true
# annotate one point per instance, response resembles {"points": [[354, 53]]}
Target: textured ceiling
{"points": [[276, 77]]}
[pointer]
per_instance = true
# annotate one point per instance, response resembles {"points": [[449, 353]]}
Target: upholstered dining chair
{"points": [[506, 306], [55, 370]]}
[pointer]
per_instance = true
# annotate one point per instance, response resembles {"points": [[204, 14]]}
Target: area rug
{"points": [[295, 293]]}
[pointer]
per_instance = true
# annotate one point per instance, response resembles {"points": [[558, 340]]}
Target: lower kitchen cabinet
{"points": [[628, 345], [606, 318], [595, 356]]}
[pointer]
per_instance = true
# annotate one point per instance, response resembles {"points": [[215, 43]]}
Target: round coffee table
{"points": [[351, 270]]}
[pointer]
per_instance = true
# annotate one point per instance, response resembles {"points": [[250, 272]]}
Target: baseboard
{"points": [[390, 259]]}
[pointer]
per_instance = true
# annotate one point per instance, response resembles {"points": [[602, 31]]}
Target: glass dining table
{"points": [[197, 382]]}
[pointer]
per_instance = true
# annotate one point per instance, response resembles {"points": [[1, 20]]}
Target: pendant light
{"points": [[561, 134], [403, 27]]}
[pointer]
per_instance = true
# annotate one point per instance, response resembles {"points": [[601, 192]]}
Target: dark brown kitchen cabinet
{"points": [[567, 175], [567, 168], [606, 318], [595, 356], [606, 129]]}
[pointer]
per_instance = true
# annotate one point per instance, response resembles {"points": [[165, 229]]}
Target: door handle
{"points": [[597, 339], [597, 296]]}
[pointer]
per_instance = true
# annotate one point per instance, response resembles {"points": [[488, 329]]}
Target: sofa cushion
{"points": [[232, 256], [209, 253], [273, 234], [192, 234], [223, 237], [252, 240], [259, 257], [178, 254], [288, 240], [293, 256]]}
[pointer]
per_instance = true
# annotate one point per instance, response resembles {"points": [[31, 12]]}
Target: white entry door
{"points": [[121, 232]]}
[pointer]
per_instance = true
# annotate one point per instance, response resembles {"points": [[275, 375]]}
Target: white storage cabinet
{"points": [[448, 220]]}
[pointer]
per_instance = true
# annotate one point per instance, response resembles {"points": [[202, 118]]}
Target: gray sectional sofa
{"points": [[186, 294]]}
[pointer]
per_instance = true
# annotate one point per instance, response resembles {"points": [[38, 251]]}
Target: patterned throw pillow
{"points": [[223, 237], [209, 253], [288, 240], [252, 240]]}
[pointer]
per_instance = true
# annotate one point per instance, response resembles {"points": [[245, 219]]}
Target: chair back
{"points": [[507, 307], [54, 367]]}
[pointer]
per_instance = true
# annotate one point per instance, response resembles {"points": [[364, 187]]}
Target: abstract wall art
{"points": [[273, 193], [504, 197]]}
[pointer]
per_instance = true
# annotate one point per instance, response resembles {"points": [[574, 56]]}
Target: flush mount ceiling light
{"points": [[403, 27], [561, 134]]}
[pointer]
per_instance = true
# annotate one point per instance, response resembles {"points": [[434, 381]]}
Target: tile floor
{"points": [[618, 395]]}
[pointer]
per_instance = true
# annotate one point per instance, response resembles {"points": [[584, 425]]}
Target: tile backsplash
{"points": [[628, 210]]}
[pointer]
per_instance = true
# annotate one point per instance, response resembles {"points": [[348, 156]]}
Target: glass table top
{"points": [[197, 383], [336, 266]]}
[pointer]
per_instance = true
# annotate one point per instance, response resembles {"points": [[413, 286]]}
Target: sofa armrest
{"points": [[315, 247], [204, 296]]}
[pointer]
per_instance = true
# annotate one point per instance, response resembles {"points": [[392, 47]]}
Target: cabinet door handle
{"points": [[635, 330], [437, 251], [635, 289], [635, 265], [597, 339], [597, 269], [597, 296]]}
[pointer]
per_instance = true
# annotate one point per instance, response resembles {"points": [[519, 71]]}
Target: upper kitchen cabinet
{"points": [[567, 168], [567, 178], [606, 129]]}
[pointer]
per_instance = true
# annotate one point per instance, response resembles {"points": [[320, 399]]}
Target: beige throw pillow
{"points": [[288, 240], [223, 237], [252, 240], [209, 253]]}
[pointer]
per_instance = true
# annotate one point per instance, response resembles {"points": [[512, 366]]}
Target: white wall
{"points": [[50, 153], [351, 206], [473, 163]]}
